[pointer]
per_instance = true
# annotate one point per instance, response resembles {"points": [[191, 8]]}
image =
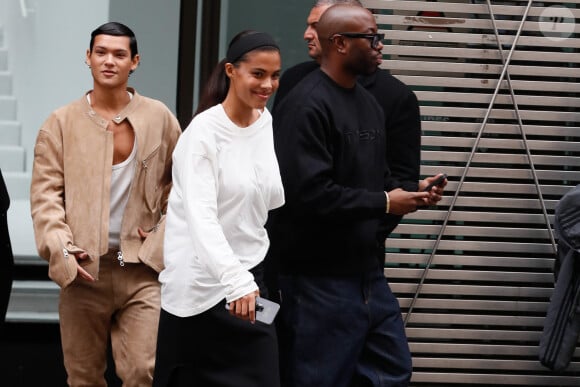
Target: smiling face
{"points": [[110, 61], [254, 79]]}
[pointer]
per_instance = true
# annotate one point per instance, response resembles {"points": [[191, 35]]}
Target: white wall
{"points": [[46, 56]]}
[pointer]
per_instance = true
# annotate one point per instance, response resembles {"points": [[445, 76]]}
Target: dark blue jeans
{"points": [[344, 331]]}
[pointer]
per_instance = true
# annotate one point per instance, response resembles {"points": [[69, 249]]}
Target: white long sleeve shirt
{"points": [[225, 180]]}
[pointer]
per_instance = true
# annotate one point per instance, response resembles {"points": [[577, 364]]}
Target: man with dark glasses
{"points": [[399, 104], [375, 39], [339, 323]]}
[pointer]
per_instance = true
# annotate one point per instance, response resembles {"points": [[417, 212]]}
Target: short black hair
{"points": [[115, 29]]}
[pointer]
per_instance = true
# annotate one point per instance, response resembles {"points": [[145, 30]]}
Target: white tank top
{"points": [[121, 179]]}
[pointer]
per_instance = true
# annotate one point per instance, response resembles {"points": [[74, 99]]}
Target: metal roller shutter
{"points": [[498, 84]]}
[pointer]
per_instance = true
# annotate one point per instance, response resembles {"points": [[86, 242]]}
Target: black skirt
{"points": [[215, 348]]}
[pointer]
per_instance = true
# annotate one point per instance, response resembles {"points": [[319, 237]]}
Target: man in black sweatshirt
{"points": [[339, 324], [398, 102]]}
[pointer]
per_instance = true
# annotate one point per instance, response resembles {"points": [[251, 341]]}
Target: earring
{"points": [[88, 65]]}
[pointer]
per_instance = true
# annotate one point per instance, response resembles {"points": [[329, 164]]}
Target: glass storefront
{"points": [[42, 52], [284, 20]]}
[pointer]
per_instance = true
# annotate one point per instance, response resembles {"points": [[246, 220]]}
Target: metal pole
{"points": [[468, 164]]}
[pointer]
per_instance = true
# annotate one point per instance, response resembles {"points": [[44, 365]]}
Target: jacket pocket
{"points": [[151, 172], [151, 251]]}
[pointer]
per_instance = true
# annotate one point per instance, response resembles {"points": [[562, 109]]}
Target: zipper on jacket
{"points": [[154, 228], [108, 138], [120, 258]]}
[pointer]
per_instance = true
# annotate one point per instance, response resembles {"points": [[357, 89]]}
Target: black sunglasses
{"points": [[374, 38]]}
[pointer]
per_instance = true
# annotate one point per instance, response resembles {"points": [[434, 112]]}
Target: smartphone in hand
{"points": [[266, 310], [435, 182]]}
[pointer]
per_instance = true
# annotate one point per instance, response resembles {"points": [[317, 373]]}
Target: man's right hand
{"points": [[80, 257], [402, 202]]}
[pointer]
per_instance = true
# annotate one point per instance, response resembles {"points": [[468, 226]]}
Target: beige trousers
{"points": [[123, 303]]}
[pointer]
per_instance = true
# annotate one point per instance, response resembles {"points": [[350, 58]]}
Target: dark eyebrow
{"points": [[264, 70], [117, 50]]}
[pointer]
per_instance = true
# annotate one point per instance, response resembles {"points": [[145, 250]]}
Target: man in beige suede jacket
{"points": [[99, 189]]}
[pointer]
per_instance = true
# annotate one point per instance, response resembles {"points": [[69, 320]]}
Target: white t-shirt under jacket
{"points": [[225, 180]]}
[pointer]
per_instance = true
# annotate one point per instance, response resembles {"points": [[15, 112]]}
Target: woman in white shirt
{"points": [[225, 180]]}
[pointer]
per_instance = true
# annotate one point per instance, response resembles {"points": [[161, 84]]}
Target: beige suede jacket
{"points": [[71, 178]]}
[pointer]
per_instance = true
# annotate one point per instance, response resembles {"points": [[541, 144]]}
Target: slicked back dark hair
{"points": [[115, 29]]}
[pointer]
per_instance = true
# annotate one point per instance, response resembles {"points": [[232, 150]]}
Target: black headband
{"points": [[248, 43]]}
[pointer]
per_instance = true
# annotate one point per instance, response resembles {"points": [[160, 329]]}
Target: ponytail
{"points": [[215, 89]]}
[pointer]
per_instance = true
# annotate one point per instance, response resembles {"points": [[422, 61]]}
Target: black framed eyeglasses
{"points": [[374, 38]]}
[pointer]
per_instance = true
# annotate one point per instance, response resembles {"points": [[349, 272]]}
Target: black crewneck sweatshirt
{"points": [[330, 145]]}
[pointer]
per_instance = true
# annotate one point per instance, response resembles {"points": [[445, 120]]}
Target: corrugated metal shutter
{"points": [[498, 84]]}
